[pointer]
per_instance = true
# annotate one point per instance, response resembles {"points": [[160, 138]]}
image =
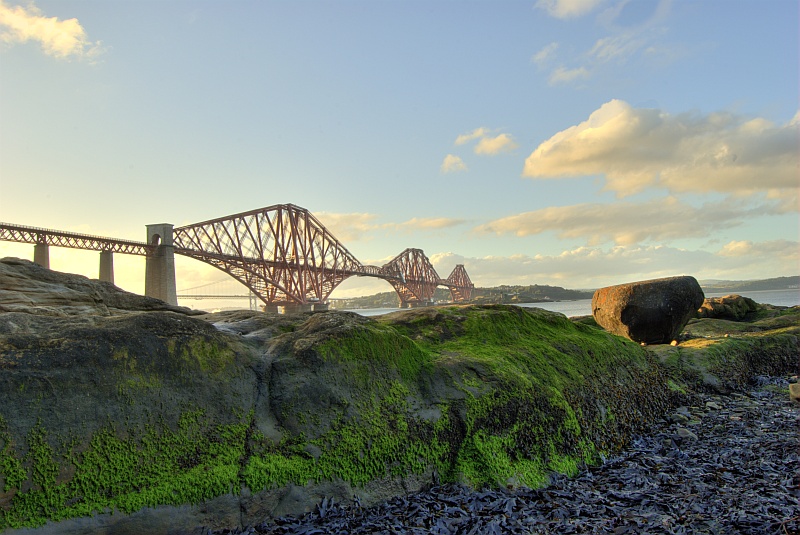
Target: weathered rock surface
{"points": [[173, 423], [730, 307], [30, 288], [239, 416], [651, 312]]}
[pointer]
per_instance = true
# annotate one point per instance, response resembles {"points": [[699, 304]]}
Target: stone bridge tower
{"points": [[159, 279]]}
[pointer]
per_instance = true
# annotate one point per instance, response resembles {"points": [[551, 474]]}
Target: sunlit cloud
{"points": [[623, 224], [565, 9], [475, 134], [487, 144], [452, 164], [635, 148], [60, 39], [563, 75], [779, 249], [495, 145], [348, 227]]}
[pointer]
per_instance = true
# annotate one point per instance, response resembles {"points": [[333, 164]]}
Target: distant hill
{"points": [[778, 283]]}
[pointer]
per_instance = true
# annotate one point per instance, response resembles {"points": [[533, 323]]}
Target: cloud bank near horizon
{"points": [[596, 267], [623, 223]]}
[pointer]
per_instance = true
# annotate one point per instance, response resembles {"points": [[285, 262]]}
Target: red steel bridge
{"points": [[282, 253]]}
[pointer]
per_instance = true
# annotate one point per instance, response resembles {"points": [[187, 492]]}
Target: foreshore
{"points": [[719, 465]]}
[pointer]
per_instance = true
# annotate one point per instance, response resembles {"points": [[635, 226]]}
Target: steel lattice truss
{"points": [[419, 279], [281, 252], [460, 285], [57, 238]]}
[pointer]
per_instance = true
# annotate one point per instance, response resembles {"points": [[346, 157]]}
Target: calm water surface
{"points": [[583, 307]]}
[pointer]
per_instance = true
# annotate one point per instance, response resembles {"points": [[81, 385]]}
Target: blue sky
{"points": [[577, 143]]}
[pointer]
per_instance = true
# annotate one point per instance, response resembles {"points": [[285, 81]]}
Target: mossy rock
{"points": [[724, 355], [267, 414]]}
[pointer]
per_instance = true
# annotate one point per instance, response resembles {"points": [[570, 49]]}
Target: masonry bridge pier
{"points": [[282, 253]]}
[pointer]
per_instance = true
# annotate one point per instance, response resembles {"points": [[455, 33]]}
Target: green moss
{"points": [[377, 348], [206, 355], [12, 474], [484, 395], [157, 466], [385, 440]]}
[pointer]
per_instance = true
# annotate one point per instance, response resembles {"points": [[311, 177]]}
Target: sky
{"points": [[575, 143]]}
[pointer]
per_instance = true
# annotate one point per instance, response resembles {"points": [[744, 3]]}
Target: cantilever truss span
{"points": [[282, 253]]}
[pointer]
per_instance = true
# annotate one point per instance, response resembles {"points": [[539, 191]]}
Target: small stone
{"points": [[684, 433], [678, 418], [712, 405]]}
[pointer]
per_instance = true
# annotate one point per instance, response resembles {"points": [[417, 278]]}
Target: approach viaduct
{"points": [[282, 253]]}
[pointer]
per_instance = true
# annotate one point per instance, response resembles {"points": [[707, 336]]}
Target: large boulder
{"points": [[651, 312]]}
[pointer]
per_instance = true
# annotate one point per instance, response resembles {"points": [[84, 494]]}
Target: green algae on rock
{"points": [[106, 414], [724, 355]]}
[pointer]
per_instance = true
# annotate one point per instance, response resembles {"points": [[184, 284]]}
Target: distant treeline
{"points": [[501, 294], [778, 283]]}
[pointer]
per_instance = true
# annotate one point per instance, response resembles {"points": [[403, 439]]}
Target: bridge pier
{"points": [[41, 255], [416, 304], [270, 308], [159, 278], [107, 266], [296, 308]]}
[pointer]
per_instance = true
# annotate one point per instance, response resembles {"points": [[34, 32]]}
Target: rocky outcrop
{"points": [[730, 307], [29, 288], [165, 423], [651, 312], [233, 417]]}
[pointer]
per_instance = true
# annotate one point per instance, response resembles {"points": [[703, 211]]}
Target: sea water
{"points": [[583, 307]]}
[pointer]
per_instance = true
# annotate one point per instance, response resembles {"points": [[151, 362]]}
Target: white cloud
{"points": [[637, 148], [563, 75], [347, 227], [495, 145], [781, 249], [475, 134], [544, 55], [625, 223], [619, 47], [565, 9], [452, 164], [58, 38], [487, 144]]}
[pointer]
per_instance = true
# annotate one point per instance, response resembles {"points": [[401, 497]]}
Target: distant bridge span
{"points": [[282, 253]]}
